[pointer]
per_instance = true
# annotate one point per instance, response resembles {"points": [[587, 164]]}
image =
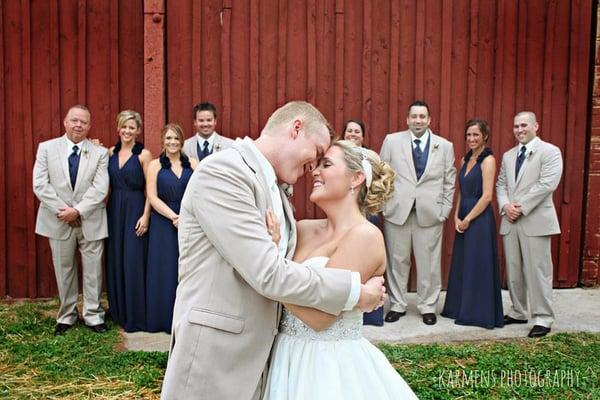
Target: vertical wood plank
{"points": [[81, 52], [226, 65], [474, 43], [197, 46], [154, 73], [367, 61], [394, 92], [282, 52], [339, 63], [445, 78], [420, 50], [3, 164], [254, 66]]}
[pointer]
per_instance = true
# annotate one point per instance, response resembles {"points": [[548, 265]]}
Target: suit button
{"points": [[275, 332]]}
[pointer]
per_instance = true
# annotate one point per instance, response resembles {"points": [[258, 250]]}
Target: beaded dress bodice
{"points": [[348, 325]]}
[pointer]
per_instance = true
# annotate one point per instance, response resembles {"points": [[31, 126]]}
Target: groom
{"points": [[231, 274]]}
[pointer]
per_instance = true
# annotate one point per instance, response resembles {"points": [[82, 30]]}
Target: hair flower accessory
{"points": [[366, 167]]}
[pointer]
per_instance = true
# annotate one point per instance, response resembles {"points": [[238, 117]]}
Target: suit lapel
{"points": [[433, 144], [406, 145], [84, 158], [64, 158], [526, 161]]}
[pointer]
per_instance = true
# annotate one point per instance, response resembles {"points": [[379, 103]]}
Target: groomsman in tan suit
{"points": [[206, 141], [414, 217], [231, 274], [70, 179], [530, 173]]}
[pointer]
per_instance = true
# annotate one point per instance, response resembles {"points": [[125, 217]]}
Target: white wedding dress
{"points": [[334, 364]]}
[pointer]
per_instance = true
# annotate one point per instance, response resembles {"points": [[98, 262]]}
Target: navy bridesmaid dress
{"points": [[126, 252], [473, 296], [163, 252]]}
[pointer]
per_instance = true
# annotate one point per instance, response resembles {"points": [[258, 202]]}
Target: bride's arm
{"points": [[361, 250]]}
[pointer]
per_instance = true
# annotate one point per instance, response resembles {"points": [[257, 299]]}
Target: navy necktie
{"points": [[418, 147], [74, 165], [202, 154], [520, 159]]}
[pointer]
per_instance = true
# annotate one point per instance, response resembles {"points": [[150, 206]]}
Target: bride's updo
{"points": [[372, 198]]}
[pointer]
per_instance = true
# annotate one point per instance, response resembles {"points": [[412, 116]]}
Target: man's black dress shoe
{"points": [[393, 316], [538, 331], [510, 320], [60, 329], [100, 328], [429, 319]]}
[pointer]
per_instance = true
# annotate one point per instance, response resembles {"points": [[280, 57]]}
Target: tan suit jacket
{"points": [[433, 193], [538, 178], [52, 186], [220, 143], [231, 278]]}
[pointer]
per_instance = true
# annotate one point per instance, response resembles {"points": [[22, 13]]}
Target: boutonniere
{"points": [[288, 190], [529, 155], [436, 145], [85, 152], [217, 147]]}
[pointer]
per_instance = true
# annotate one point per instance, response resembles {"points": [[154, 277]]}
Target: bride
{"points": [[317, 355]]}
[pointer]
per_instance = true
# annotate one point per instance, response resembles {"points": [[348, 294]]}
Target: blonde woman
{"points": [[128, 213], [318, 355]]}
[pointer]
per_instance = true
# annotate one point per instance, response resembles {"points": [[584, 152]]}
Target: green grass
{"points": [[81, 364]]}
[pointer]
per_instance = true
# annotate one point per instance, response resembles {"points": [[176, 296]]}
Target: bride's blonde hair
{"points": [[370, 199]]}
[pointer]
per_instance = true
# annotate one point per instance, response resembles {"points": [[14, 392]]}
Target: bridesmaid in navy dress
{"points": [[128, 216], [354, 131], [473, 296], [167, 179]]}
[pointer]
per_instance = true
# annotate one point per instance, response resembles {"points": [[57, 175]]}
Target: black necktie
{"points": [[74, 165], [204, 151], [418, 148], [520, 159]]}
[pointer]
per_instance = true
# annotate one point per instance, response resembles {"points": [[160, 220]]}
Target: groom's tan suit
{"points": [[527, 241], [414, 217], [231, 278], [52, 186]]}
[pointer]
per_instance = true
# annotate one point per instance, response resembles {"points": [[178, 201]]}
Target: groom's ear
{"points": [[296, 126]]}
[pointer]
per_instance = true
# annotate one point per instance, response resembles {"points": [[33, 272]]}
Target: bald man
{"points": [[530, 173]]}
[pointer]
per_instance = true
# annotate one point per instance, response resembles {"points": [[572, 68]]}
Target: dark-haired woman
{"points": [[473, 296], [167, 179], [128, 216]]}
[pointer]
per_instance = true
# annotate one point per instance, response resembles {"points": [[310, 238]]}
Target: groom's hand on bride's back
{"points": [[372, 294]]}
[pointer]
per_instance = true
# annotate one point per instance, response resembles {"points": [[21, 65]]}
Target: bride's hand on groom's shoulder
{"points": [[273, 226], [372, 294]]}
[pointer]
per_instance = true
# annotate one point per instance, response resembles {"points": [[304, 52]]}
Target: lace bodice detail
{"points": [[347, 326]]}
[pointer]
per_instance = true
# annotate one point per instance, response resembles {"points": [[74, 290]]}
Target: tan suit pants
{"points": [[65, 269], [529, 273], [426, 243]]}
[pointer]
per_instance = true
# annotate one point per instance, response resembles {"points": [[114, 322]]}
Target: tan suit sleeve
{"points": [[226, 209], [42, 188], [449, 180]]}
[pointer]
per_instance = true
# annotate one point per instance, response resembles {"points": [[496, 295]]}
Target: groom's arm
{"points": [[362, 250]]}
